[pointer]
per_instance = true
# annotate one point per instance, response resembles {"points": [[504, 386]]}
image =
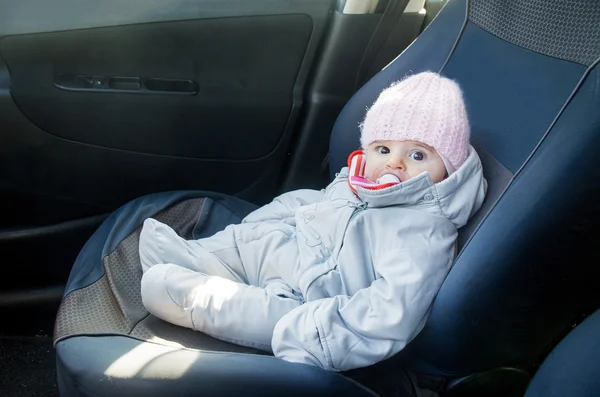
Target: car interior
{"points": [[196, 112]]}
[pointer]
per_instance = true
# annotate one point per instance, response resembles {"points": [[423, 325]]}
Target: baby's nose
{"points": [[395, 162]]}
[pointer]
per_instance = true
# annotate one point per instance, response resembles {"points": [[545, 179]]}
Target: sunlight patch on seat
{"points": [[161, 341], [142, 362]]}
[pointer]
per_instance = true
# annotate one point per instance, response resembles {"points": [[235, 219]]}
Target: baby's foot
{"points": [[169, 292], [161, 244], [148, 248]]}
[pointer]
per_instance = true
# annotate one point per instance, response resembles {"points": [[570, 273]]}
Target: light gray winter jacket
{"points": [[369, 267]]}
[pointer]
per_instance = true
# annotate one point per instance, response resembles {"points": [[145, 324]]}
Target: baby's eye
{"points": [[383, 149], [417, 156]]}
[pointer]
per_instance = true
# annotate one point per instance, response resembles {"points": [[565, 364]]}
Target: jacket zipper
{"points": [[357, 208]]}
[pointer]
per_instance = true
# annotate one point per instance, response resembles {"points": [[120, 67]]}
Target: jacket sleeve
{"points": [[343, 332], [285, 205]]}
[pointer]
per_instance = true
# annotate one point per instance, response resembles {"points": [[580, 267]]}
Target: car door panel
{"points": [[239, 111], [95, 149]]}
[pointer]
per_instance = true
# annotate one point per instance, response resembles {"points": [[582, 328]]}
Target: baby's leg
{"points": [[160, 244], [247, 253], [227, 310]]}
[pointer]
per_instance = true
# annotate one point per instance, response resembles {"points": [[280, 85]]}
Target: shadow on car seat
{"points": [[529, 73]]}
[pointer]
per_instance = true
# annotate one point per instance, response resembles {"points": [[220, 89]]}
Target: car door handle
{"points": [[139, 85]]}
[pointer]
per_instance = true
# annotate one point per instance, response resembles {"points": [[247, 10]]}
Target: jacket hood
{"points": [[458, 197]]}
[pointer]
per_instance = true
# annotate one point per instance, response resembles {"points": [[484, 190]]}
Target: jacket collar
{"points": [[457, 196], [412, 192]]}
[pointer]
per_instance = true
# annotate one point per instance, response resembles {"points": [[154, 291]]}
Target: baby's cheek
{"points": [[368, 172]]}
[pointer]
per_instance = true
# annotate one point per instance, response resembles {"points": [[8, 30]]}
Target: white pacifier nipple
{"points": [[388, 178]]}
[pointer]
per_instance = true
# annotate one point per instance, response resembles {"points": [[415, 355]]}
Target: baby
{"points": [[343, 277]]}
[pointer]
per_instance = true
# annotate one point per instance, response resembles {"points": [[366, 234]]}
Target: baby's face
{"points": [[403, 159]]}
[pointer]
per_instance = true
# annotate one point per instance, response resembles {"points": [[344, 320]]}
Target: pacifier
{"points": [[356, 168], [388, 178]]}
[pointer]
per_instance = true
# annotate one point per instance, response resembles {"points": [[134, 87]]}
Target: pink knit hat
{"points": [[427, 108]]}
